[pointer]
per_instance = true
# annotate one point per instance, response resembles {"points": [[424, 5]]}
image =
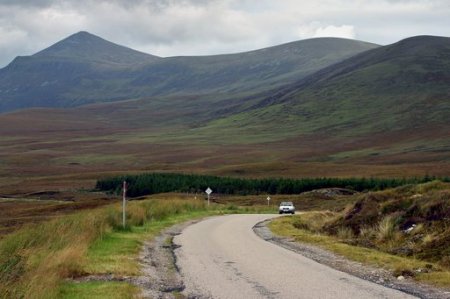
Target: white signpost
{"points": [[124, 202], [268, 200], [208, 191]]}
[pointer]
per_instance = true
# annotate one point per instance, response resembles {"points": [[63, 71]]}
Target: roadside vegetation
{"points": [[42, 261], [152, 183], [405, 230]]}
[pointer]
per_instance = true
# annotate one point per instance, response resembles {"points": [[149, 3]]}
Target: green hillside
{"points": [[404, 86]]}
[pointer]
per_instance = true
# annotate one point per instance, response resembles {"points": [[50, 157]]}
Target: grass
{"points": [[386, 229], [98, 290], [38, 261], [377, 229], [116, 251], [16, 212], [284, 226]]}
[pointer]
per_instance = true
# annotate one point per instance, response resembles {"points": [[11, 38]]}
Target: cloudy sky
{"points": [[199, 27]]}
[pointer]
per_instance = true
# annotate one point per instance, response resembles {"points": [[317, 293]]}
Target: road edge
{"points": [[340, 263]]}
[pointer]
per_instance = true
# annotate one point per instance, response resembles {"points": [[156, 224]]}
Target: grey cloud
{"points": [[26, 3], [198, 27]]}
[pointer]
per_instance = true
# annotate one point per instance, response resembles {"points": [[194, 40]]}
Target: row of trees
{"points": [[152, 183]]}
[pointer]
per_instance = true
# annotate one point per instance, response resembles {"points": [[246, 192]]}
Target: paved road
{"points": [[221, 257]]}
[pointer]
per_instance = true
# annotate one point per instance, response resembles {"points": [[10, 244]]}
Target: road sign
{"points": [[268, 200], [208, 191]]}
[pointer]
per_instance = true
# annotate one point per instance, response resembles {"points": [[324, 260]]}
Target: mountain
{"points": [[403, 86], [84, 68], [381, 112], [52, 77]]}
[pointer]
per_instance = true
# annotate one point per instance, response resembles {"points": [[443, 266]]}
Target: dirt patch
{"points": [[375, 275], [161, 278]]}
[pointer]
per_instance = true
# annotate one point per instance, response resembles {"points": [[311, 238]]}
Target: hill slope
{"points": [[84, 68], [404, 86]]}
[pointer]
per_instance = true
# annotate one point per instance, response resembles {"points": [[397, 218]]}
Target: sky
{"points": [[203, 27]]}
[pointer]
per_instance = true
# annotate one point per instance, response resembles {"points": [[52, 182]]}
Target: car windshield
{"points": [[286, 204]]}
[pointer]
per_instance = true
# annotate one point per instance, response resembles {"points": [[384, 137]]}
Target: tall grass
{"points": [[36, 259], [386, 229]]}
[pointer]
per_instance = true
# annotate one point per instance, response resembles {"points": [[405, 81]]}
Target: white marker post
{"points": [[124, 202], [208, 191], [268, 200]]}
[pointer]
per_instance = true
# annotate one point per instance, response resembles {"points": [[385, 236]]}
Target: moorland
{"points": [[85, 108]]}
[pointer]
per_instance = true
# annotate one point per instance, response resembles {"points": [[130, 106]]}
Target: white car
{"points": [[286, 207]]}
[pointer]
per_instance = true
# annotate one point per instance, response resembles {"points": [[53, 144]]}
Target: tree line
{"points": [[153, 183]]}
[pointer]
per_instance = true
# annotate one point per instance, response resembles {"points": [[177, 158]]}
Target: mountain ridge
{"points": [[74, 72]]}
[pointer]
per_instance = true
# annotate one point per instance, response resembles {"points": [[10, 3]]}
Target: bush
{"points": [[300, 224], [345, 233], [386, 229]]}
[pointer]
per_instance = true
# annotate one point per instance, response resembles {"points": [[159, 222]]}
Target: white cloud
{"points": [[198, 27], [316, 29], [344, 31]]}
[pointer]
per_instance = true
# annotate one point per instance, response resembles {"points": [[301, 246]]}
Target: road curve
{"points": [[221, 257]]}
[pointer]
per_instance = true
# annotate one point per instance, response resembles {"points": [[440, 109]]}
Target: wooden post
{"points": [[124, 202]]}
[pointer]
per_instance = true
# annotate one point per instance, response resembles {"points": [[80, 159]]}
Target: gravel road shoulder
{"points": [[160, 277], [376, 275]]}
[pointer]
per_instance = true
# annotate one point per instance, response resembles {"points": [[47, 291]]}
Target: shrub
{"points": [[367, 233], [300, 224], [345, 233], [386, 229]]}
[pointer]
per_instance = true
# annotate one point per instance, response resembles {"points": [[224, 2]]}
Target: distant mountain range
{"points": [[84, 68], [315, 107]]}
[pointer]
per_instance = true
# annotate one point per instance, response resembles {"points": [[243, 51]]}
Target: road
{"points": [[221, 257]]}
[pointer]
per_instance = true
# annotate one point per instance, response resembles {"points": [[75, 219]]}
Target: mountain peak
{"points": [[85, 46], [83, 33], [83, 36]]}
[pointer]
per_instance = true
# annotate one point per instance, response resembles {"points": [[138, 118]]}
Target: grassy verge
{"points": [[39, 261], [89, 290], [307, 228]]}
